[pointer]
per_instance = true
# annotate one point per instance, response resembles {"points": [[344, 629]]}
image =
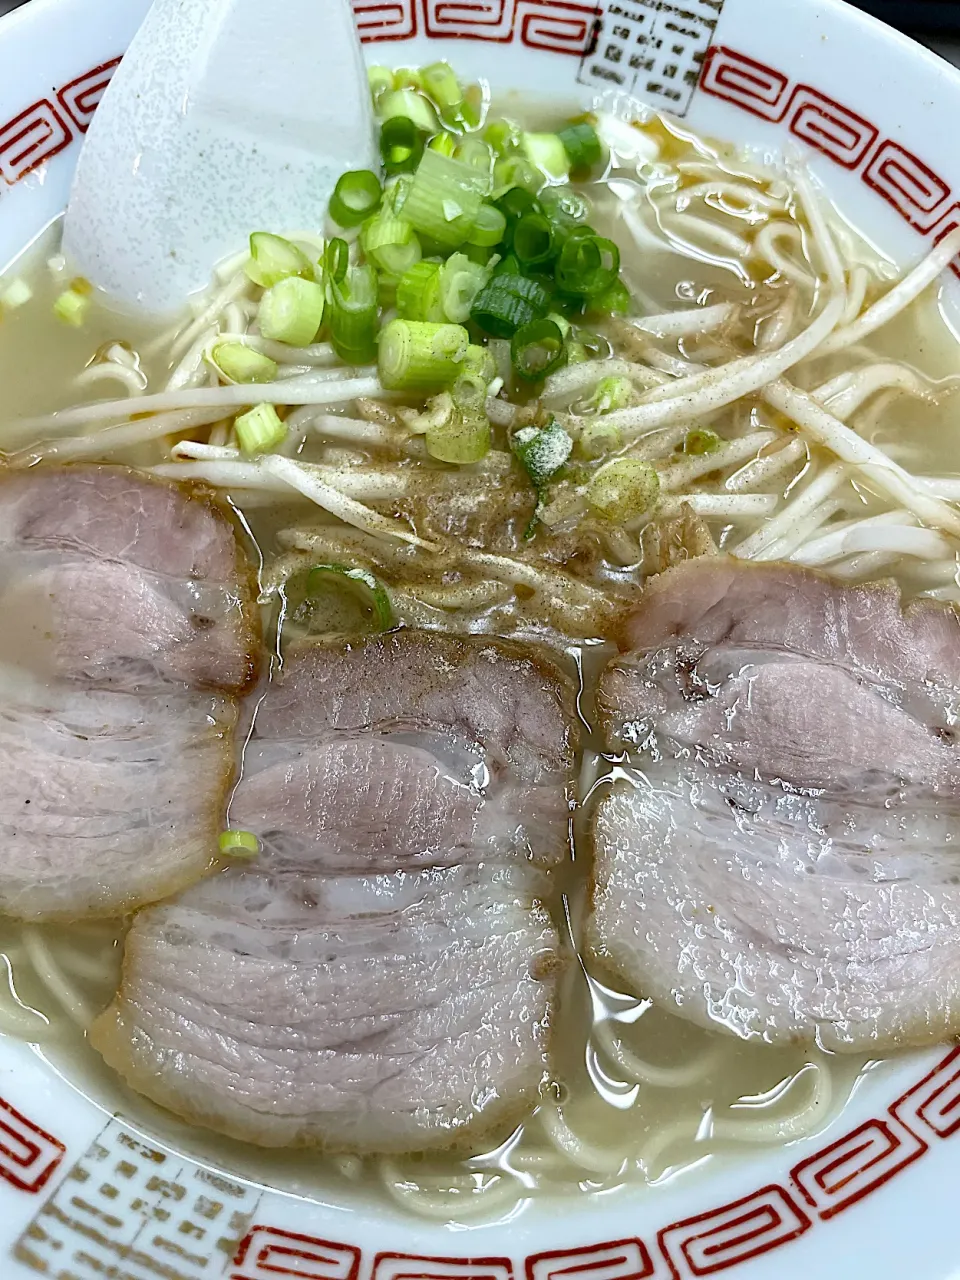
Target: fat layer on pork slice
{"points": [[407, 1004], [109, 576], [110, 799], [779, 854], [385, 1013]]}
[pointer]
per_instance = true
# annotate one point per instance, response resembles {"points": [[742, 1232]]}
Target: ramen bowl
{"points": [[93, 1186]]}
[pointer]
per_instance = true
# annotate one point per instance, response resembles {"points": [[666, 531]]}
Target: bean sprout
{"points": [[898, 298]]}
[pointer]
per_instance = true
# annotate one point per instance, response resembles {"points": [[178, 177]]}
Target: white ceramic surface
{"points": [[83, 1194], [227, 89]]}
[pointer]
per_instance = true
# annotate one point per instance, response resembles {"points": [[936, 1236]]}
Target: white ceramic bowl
{"points": [[85, 1196]]}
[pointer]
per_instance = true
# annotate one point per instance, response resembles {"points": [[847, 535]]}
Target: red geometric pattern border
{"points": [[408, 1266], [818, 1188], [81, 97], [385, 19], [34, 136], [619, 1260], [269, 1254], [44, 129], [28, 1154], [562, 26], [904, 180], [853, 1167], [933, 1105], [722, 1238]]}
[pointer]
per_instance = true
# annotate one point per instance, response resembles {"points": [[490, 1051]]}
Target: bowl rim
{"points": [[662, 1252]]}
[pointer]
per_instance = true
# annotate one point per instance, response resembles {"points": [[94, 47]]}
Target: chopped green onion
{"points": [[259, 429], [481, 256], [444, 199], [701, 441], [362, 581], [452, 435], [239, 363], [470, 393], [576, 352], [542, 451], [599, 437], [533, 240], [355, 198], [445, 143], [440, 81], [582, 145], [580, 231], [562, 213], [476, 153], [380, 80], [418, 356], [508, 266], [588, 265], [15, 294], [517, 171], [564, 203], [562, 323], [401, 145], [273, 259], [479, 362], [71, 307], [411, 105], [517, 203], [239, 844], [489, 228], [611, 394], [396, 192], [503, 136], [624, 489], [507, 302], [353, 320], [546, 152], [462, 439], [460, 282], [336, 259], [419, 293], [469, 114], [613, 301], [595, 344], [292, 312], [407, 78], [391, 243], [537, 349], [436, 412]]}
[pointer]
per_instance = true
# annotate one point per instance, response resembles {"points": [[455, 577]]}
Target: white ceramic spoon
{"points": [[224, 117]]}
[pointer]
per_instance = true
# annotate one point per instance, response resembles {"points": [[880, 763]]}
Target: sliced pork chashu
{"points": [[411, 750], [110, 799], [783, 857], [128, 623], [114, 578], [380, 978]]}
